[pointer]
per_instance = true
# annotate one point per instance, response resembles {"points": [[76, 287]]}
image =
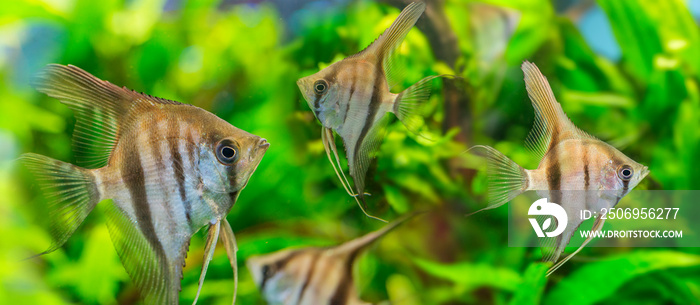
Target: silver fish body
{"points": [[169, 169], [577, 171], [352, 97], [318, 276]]}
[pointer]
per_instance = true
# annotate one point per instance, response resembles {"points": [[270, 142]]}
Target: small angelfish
{"points": [[352, 98], [169, 169], [313, 275], [576, 171]]}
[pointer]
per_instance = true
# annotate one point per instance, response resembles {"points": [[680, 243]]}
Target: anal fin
{"points": [[329, 145], [597, 226], [157, 278]]}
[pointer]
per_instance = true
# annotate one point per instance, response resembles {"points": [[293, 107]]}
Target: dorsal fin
{"points": [[366, 240], [551, 123], [100, 107], [382, 49]]}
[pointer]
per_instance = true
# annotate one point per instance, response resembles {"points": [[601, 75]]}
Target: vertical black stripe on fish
{"points": [[352, 92], [625, 189], [136, 186], [309, 276], [268, 271], [373, 106], [317, 105], [554, 176], [586, 174], [340, 296], [179, 170]]}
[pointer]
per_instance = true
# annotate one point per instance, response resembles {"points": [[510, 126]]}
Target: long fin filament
{"points": [[329, 145], [596, 227], [212, 237], [229, 241]]}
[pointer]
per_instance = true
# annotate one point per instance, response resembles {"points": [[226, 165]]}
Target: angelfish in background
{"points": [[313, 275], [352, 98], [492, 27], [577, 171], [169, 168]]}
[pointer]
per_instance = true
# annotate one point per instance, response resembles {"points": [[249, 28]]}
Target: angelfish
{"points": [[169, 169], [352, 98], [576, 171], [313, 275]]}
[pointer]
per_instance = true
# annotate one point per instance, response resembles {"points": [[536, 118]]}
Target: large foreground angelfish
{"points": [[169, 169], [352, 98], [577, 171], [318, 276]]}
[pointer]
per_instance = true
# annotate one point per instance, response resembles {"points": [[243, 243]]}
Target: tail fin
{"points": [[71, 192], [410, 103], [505, 179]]}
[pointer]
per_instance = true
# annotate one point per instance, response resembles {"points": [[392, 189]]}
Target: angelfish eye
{"points": [[227, 152], [320, 86], [625, 172]]}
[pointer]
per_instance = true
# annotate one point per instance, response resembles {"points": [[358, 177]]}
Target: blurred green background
{"points": [[626, 71]]}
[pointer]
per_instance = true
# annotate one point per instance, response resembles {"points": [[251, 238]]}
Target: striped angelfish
{"points": [[576, 171], [169, 169], [352, 98], [313, 276]]}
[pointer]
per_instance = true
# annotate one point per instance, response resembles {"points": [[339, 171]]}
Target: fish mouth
{"points": [[263, 144], [301, 83], [645, 171]]}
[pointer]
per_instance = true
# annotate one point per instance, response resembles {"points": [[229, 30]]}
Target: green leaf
{"points": [[473, 276], [647, 29], [636, 34], [597, 281], [397, 200], [534, 281]]}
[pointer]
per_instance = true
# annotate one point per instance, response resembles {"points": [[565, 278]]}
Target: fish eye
{"points": [[320, 86], [227, 152], [625, 172]]}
